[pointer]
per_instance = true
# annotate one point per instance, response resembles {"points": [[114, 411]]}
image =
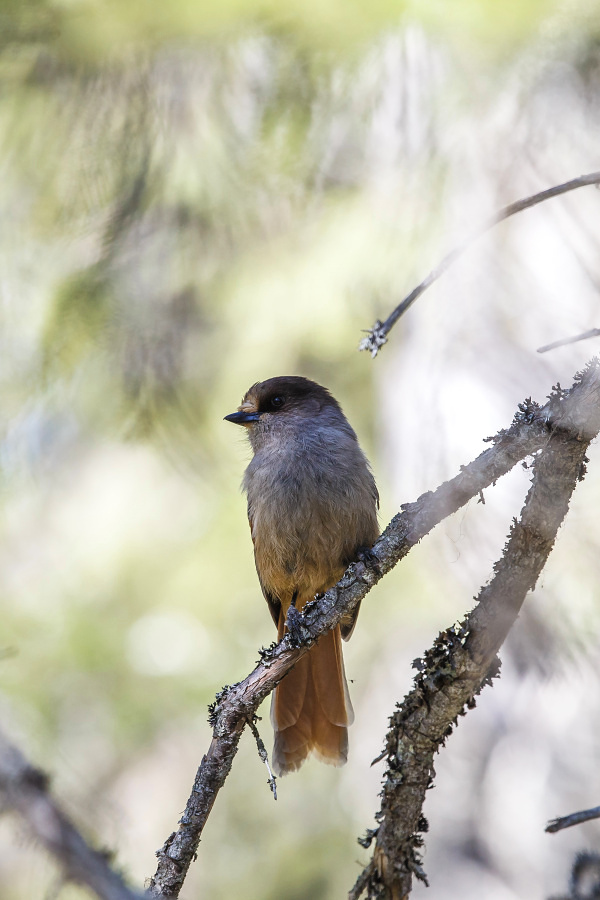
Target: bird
{"points": [[312, 510]]}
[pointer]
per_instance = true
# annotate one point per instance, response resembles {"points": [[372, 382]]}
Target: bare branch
{"points": [[463, 658], [236, 705], [24, 789], [377, 336], [593, 332], [576, 818]]}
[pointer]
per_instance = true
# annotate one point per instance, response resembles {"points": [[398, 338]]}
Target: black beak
{"points": [[242, 418]]}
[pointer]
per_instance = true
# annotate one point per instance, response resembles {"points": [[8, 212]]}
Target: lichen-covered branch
{"points": [[463, 658], [377, 336], [24, 790], [235, 706]]}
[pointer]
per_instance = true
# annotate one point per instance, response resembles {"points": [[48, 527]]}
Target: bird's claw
{"points": [[369, 558], [293, 623]]}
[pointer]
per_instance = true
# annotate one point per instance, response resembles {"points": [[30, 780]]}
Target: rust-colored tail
{"points": [[311, 708]]}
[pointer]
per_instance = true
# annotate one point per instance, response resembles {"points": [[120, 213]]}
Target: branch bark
{"points": [[576, 818], [24, 789], [593, 332], [463, 658], [235, 706], [377, 336]]}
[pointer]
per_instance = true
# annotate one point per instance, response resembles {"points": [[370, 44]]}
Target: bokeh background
{"points": [[196, 196]]}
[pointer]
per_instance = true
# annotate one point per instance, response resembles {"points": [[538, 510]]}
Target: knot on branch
{"points": [[167, 843]]}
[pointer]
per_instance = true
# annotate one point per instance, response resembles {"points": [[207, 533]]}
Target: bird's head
{"points": [[288, 403]]}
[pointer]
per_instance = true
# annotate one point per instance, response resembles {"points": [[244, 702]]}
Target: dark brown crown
{"points": [[288, 391]]}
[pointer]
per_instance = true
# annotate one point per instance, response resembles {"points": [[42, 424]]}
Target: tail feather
{"points": [[329, 676], [311, 708], [290, 697]]}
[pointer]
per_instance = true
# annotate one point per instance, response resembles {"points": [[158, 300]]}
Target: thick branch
{"points": [[24, 789], [377, 336], [463, 658], [237, 705]]}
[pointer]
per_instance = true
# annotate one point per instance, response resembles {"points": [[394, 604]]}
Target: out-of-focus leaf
{"points": [[77, 321]]}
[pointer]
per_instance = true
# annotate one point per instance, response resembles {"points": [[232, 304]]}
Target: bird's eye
{"points": [[276, 402]]}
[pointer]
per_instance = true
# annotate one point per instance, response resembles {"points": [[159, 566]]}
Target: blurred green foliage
{"points": [[89, 32]]}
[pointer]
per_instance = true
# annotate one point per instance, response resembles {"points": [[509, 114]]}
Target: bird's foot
{"points": [[296, 630], [368, 558]]}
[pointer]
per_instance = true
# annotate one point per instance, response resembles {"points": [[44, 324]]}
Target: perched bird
{"points": [[312, 508]]}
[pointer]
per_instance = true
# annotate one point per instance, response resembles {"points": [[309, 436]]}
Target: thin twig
{"points": [[463, 658], [24, 789], [377, 336], [262, 752], [593, 332], [235, 705], [575, 818]]}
